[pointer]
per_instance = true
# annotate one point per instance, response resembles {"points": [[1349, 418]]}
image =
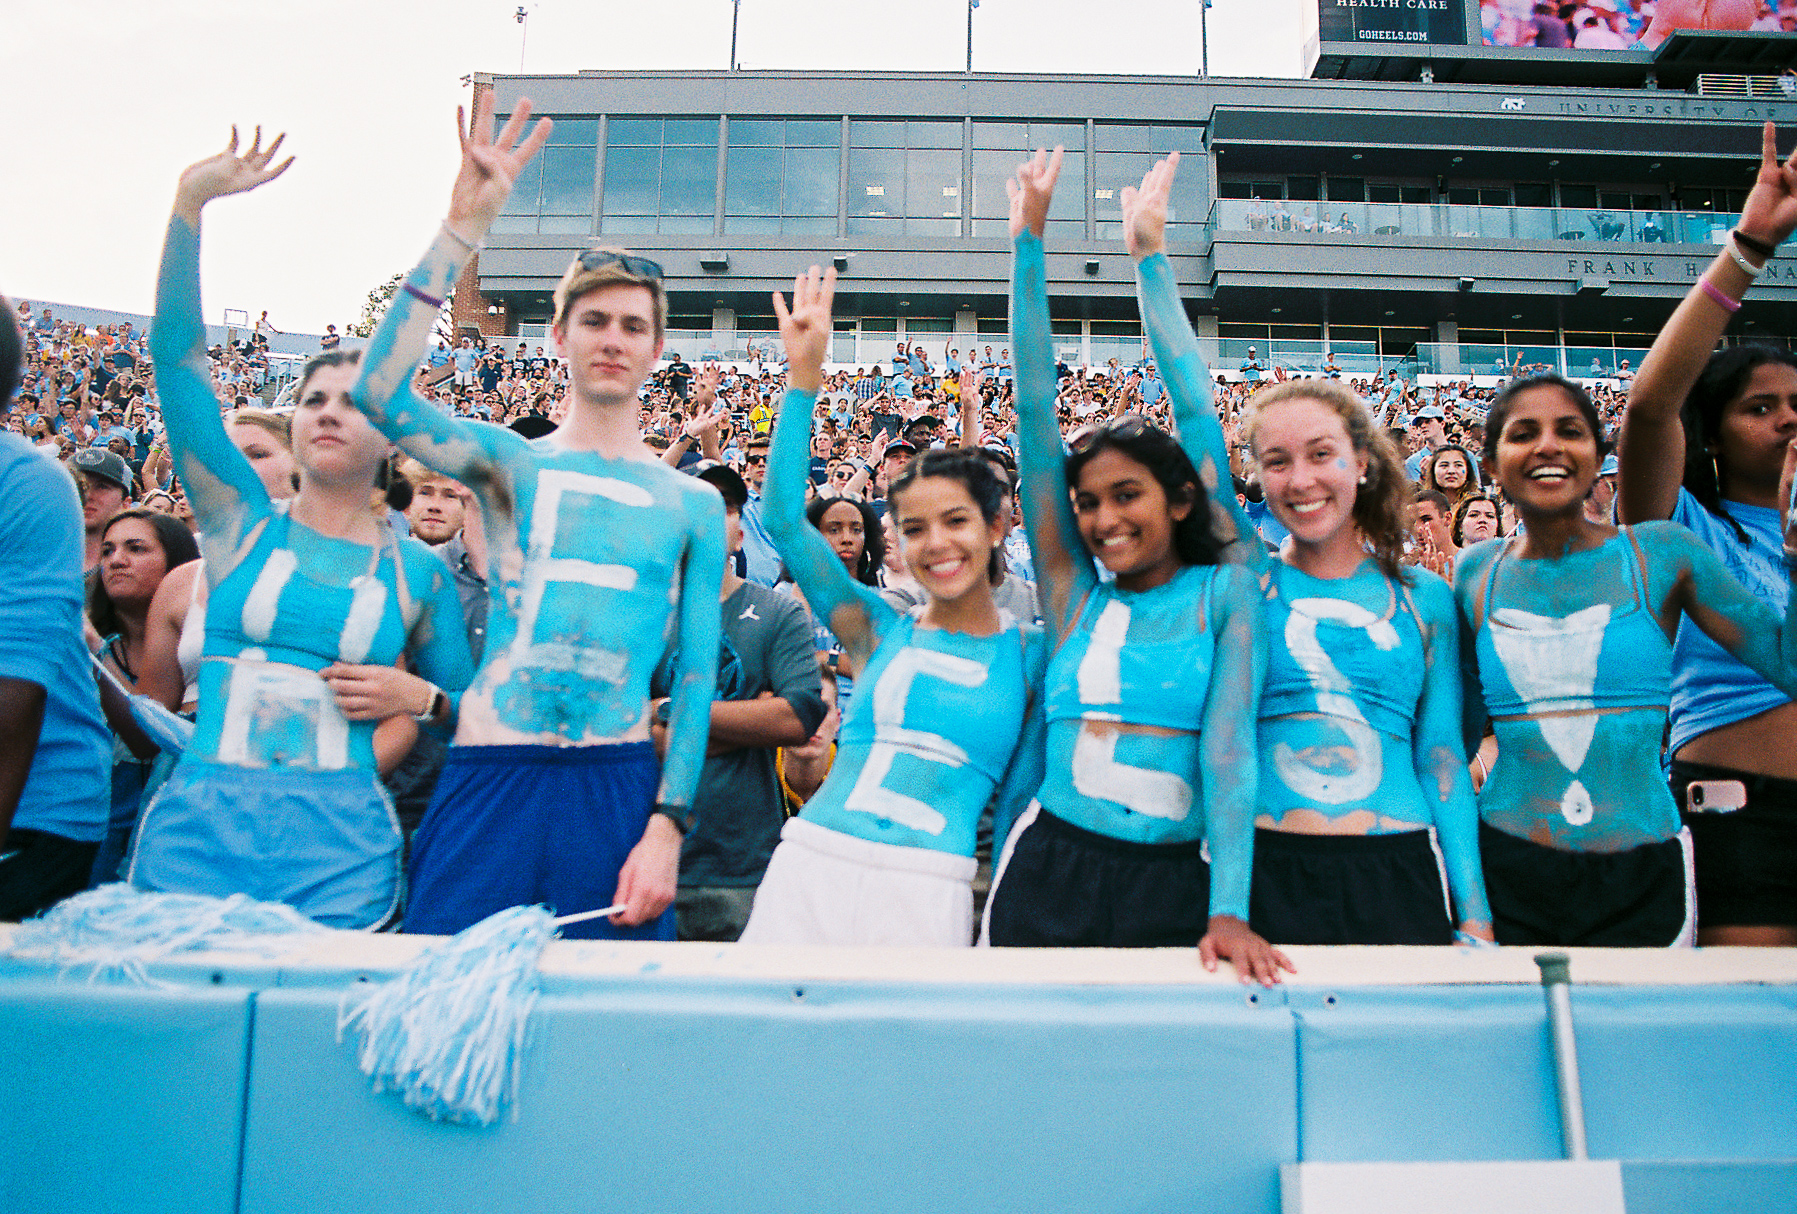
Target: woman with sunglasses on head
{"points": [[1150, 693], [1365, 821], [948, 718], [312, 602], [1705, 437], [1572, 624]]}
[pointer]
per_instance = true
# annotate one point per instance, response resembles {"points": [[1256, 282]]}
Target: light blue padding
{"points": [[941, 721], [1558, 638], [657, 1094], [285, 601], [1709, 688], [120, 1098], [596, 566], [944, 721], [1445, 1073], [1709, 1188], [1188, 655]]}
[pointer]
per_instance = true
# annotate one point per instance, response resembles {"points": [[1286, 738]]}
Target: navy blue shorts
{"points": [[518, 825]]}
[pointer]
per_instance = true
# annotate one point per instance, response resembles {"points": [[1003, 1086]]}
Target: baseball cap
{"points": [[98, 461], [901, 444], [1430, 411], [724, 478], [1609, 466]]}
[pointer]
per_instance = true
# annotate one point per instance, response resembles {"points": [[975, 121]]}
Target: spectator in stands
{"points": [[106, 488], [768, 696]]}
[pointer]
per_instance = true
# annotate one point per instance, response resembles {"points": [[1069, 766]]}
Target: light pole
{"points": [[736, 7], [523, 19], [971, 5], [1204, 37]]}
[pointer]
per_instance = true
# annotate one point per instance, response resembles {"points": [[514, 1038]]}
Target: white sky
{"points": [[111, 99]]}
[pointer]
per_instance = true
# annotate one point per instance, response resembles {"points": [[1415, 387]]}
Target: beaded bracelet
{"points": [[1709, 288]]}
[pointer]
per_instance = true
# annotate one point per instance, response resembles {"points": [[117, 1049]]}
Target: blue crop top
{"points": [[942, 722], [1330, 654], [1605, 655]]}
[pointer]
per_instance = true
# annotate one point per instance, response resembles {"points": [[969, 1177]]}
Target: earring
{"points": [[1363, 478]]}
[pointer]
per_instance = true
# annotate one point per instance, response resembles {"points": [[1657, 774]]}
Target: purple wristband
{"points": [[434, 302], [1709, 288]]}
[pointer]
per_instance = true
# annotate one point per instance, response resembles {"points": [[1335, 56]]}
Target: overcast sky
{"points": [[112, 99]]}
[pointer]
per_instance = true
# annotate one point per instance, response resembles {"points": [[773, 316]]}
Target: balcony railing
{"points": [[1441, 220]]}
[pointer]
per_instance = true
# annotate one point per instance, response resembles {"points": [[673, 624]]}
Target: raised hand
{"points": [[967, 382], [227, 173], [705, 386], [1031, 190], [1145, 209], [1770, 212], [490, 164], [1787, 493], [805, 327]]}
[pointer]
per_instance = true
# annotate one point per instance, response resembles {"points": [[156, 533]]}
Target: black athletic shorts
{"points": [[1747, 859], [1639, 898], [1349, 889], [1065, 887], [38, 870]]}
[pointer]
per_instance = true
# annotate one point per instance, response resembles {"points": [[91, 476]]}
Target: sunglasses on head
{"points": [[642, 267], [1130, 425]]}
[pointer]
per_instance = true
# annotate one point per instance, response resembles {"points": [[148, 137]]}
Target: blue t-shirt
{"points": [[1710, 689], [41, 547]]}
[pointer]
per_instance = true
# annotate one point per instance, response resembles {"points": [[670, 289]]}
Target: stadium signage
{"points": [[1678, 109], [1655, 269]]}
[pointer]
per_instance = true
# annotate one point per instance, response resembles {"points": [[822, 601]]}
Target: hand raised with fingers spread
{"points": [[1031, 190], [490, 164], [1770, 212], [705, 386], [1145, 209], [1787, 493], [805, 327], [227, 173]]}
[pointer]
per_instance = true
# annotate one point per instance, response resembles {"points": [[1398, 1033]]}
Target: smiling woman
{"points": [[1573, 623]]}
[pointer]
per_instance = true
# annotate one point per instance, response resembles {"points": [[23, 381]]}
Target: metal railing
{"points": [[1450, 221]]}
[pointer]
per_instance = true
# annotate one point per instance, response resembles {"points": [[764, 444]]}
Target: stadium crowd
{"points": [[1238, 660]]}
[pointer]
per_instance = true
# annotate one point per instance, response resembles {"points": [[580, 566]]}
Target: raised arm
{"points": [[465, 451], [855, 613], [226, 494], [1653, 440], [1029, 761], [1063, 565], [1440, 757], [1182, 367]]}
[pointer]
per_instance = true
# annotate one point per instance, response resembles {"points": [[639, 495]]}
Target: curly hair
{"points": [[1382, 504], [1195, 538], [1723, 378]]}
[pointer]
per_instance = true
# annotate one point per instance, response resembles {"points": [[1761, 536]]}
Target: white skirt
{"points": [[825, 887]]}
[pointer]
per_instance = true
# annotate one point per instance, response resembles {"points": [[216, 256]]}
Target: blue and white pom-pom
{"points": [[448, 1033], [119, 931]]}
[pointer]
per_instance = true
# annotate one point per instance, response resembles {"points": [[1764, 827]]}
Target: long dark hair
{"points": [[873, 535], [178, 548], [1724, 377], [1506, 400], [1195, 539], [973, 471]]}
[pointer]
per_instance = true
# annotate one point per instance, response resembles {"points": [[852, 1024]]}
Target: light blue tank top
{"points": [[929, 736]]}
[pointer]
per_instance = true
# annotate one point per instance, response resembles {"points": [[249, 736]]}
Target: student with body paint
{"points": [[600, 558], [1151, 691], [1365, 820], [948, 717], [1705, 437], [312, 601], [1571, 626]]}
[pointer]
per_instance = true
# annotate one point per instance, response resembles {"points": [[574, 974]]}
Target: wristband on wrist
{"points": [[682, 816], [1754, 244], [1709, 288], [1747, 267], [459, 238], [422, 297], [434, 706]]}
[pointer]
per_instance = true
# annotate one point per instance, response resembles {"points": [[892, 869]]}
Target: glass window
{"points": [[752, 185], [876, 134], [1347, 189], [662, 169], [633, 132], [689, 177], [799, 183], [752, 132], [1010, 136], [632, 180], [933, 135], [811, 180], [933, 184], [813, 134], [876, 182], [568, 180], [574, 131], [691, 132], [1138, 137], [915, 189]]}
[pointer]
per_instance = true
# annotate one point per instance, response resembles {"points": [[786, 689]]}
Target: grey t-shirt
{"points": [[1013, 595], [739, 805]]}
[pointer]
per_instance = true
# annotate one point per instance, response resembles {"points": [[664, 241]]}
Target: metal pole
{"points": [[1556, 982], [736, 12], [1204, 37], [523, 19], [971, 5]]}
